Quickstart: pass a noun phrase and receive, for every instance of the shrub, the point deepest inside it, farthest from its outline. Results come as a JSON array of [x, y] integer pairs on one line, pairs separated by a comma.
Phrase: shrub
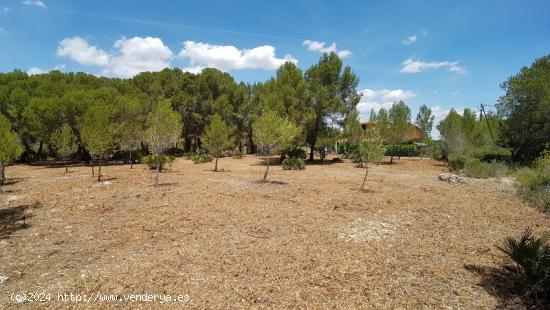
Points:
[[533, 184], [532, 257], [199, 158], [478, 169], [151, 160], [435, 151], [457, 162], [295, 153], [403, 150], [293, 164], [491, 153]]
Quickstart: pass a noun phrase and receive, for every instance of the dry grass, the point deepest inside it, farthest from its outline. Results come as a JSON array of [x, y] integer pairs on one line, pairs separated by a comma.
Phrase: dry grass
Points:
[[311, 239]]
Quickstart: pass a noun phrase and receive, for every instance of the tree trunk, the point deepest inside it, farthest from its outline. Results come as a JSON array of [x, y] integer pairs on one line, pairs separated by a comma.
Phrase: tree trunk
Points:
[[186, 143], [99, 170], [216, 166], [2, 174], [66, 168], [366, 173], [157, 174], [92, 164], [131, 161], [391, 157], [422, 150], [267, 167], [40, 148], [399, 151], [311, 150]]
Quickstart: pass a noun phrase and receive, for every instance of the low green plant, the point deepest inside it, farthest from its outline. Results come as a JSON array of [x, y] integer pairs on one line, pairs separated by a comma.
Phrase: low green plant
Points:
[[151, 160], [483, 170], [533, 184], [532, 258], [293, 164], [457, 162], [200, 158], [435, 151], [237, 155], [295, 152]]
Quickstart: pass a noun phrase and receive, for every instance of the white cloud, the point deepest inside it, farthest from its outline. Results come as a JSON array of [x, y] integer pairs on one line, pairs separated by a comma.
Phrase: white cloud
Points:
[[133, 55], [320, 47], [138, 55], [35, 70], [80, 51], [382, 98], [409, 40], [228, 57], [6, 9], [415, 66], [38, 3], [3, 30]]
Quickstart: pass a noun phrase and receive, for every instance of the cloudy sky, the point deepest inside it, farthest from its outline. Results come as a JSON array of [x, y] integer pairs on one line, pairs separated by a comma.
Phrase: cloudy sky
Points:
[[440, 53]]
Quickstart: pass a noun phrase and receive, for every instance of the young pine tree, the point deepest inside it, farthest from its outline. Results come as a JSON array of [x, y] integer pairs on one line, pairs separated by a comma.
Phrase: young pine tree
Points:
[[371, 150], [271, 133], [217, 138], [163, 130], [10, 149], [97, 132], [425, 121], [64, 142], [130, 135]]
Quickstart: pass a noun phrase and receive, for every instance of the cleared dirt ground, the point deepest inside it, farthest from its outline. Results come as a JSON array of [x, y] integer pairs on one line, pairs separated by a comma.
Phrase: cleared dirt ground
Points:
[[308, 239]]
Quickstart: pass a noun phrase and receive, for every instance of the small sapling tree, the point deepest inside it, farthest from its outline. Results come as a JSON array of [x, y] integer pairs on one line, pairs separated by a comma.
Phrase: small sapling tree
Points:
[[371, 150], [273, 133], [10, 148], [130, 135], [64, 142], [163, 130], [217, 138], [97, 132]]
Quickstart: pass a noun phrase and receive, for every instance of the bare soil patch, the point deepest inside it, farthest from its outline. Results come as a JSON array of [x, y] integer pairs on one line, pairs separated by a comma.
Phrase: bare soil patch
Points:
[[308, 239]]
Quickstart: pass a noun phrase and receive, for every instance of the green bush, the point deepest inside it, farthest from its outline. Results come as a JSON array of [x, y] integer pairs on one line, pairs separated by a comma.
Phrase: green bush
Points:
[[435, 151], [403, 150], [533, 184], [457, 162], [532, 257], [295, 153], [293, 164], [478, 169], [491, 153], [199, 158], [151, 160]]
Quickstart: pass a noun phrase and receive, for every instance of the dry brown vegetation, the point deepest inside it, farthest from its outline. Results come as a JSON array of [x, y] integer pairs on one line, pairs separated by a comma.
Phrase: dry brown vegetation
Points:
[[307, 239]]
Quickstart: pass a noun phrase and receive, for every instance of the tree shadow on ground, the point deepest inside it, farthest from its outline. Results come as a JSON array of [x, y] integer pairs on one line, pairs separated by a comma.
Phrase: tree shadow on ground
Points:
[[274, 182], [276, 161], [74, 164], [506, 285], [14, 219]]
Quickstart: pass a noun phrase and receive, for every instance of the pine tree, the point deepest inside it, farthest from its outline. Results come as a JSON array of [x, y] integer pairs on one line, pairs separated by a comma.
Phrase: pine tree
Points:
[[64, 142], [217, 138], [10, 148]]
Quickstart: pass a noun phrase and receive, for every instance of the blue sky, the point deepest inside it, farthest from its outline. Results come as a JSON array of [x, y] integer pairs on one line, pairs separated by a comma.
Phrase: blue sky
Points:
[[440, 53]]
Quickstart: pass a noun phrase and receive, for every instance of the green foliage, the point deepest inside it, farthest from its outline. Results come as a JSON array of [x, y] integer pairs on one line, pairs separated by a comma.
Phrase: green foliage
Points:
[[10, 148], [457, 162], [406, 150], [295, 152], [533, 184], [293, 164], [237, 155], [97, 130], [64, 141], [273, 133], [525, 108], [163, 130], [218, 138], [370, 150], [200, 158], [483, 170], [532, 258], [333, 93], [489, 153], [353, 131], [435, 151], [152, 160], [425, 121], [399, 124]]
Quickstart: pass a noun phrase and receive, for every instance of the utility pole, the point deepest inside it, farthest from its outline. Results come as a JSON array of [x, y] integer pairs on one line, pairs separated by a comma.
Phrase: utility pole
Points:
[[487, 121]]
